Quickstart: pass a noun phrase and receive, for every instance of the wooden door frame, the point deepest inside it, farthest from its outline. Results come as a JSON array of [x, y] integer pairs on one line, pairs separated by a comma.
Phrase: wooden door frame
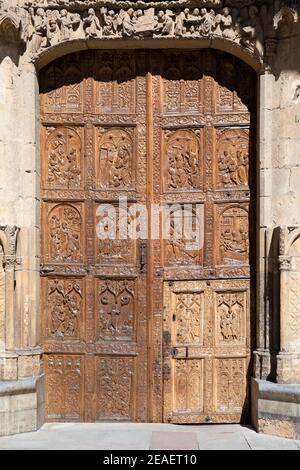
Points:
[[155, 410]]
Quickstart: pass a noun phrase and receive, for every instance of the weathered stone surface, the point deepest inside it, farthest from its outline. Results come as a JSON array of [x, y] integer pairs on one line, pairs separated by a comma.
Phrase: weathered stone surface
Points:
[[277, 409]]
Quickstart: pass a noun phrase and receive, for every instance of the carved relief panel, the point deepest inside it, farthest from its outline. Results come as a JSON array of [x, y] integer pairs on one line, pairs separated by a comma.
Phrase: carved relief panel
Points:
[[62, 87], [206, 350], [231, 318], [64, 387], [63, 303], [63, 242], [63, 163], [116, 159], [115, 83], [114, 243], [184, 232], [117, 310], [233, 235], [115, 388], [183, 160], [188, 384], [232, 158], [231, 383]]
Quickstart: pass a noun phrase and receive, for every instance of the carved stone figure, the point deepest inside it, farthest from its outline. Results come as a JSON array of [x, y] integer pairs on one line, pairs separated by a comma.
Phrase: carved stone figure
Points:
[[39, 29], [92, 26], [207, 22], [165, 24], [246, 26], [126, 18], [68, 23], [53, 32], [110, 22], [224, 24], [252, 32]]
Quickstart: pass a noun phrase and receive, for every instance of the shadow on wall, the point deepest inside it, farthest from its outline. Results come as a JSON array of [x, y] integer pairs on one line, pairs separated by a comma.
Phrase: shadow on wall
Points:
[[13, 51]]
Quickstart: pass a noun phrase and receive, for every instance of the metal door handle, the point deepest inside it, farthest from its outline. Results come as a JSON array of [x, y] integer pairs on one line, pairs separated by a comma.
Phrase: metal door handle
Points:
[[143, 257], [174, 352]]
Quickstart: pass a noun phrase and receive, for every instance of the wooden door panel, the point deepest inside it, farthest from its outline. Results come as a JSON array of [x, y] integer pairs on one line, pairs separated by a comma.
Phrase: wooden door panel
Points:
[[206, 349], [207, 160], [93, 116], [64, 387]]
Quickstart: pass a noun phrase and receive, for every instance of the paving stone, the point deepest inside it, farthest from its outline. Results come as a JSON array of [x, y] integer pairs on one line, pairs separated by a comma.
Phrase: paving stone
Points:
[[174, 441], [128, 436]]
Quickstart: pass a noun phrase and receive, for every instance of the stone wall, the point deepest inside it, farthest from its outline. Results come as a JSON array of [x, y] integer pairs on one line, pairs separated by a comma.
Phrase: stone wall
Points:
[[19, 220]]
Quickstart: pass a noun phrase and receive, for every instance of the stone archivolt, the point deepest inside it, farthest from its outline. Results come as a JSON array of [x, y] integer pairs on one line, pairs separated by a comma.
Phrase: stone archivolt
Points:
[[250, 25]]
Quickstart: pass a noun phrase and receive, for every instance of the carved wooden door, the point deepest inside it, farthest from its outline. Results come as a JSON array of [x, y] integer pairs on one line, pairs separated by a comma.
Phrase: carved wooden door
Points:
[[93, 115], [203, 111], [156, 329]]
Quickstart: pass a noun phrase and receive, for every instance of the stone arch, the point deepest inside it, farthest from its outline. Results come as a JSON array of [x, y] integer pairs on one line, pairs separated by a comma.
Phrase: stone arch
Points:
[[10, 28], [293, 246], [45, 57]]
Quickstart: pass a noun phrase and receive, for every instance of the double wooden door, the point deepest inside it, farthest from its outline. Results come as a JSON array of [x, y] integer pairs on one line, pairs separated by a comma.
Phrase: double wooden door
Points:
[[153, 327]]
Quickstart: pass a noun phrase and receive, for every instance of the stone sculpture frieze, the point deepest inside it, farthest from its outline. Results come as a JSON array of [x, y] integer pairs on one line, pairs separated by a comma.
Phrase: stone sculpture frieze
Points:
[[250, 25]]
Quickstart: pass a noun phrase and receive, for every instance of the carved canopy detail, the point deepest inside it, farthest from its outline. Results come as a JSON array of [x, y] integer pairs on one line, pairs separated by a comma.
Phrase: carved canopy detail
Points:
[[11, 24]]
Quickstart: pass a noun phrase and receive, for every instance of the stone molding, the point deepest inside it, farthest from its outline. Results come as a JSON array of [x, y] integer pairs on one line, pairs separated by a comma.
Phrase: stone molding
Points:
[[288, 360], [8, 241], [288, 235], [252, 26]]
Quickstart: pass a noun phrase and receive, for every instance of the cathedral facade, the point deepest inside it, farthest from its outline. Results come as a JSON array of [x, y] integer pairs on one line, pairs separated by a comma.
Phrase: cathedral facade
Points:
[[141, 107]]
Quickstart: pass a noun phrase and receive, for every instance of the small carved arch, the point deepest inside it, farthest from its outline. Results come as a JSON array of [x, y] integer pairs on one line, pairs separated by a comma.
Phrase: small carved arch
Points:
[[105, 74], [10, 28], [294, 252], [3, 243], [293, 242]]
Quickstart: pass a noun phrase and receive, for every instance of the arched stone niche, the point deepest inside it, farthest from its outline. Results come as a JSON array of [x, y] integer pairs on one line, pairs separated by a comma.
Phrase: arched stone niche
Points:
[[289, 263]]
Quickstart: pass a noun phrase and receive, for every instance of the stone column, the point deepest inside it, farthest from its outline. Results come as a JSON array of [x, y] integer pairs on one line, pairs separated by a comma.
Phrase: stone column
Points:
[[265, 267], [21, 378], [288, 369]]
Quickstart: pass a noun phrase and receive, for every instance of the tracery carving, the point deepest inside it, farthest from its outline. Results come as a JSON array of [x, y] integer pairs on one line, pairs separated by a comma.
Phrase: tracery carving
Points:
[[188, 386], [230, 384], [64, 387], [117, 310], [11, 23], [114, 383], [45, 24]]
